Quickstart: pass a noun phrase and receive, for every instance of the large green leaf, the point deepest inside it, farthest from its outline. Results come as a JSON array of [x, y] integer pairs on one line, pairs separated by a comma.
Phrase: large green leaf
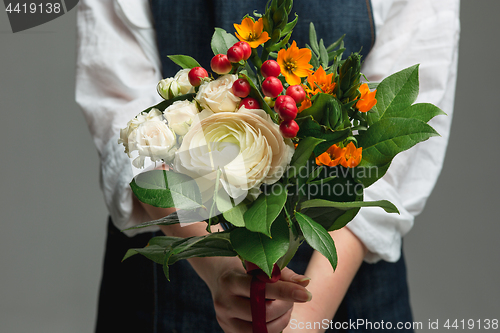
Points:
[[396, 92], [260, 249], [166, 189], [318, 238], [390, 136], [222, 41], [384, 204], [420, 111], [184, 61], [263, 212]]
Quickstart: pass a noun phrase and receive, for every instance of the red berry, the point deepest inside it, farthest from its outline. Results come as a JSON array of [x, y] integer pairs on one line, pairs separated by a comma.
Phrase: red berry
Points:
[[235, 54], [289, 128], [196, 74], [220, 64], [250, 103], [272, 87], [270, 68], [297, 93], [287, 110], [281, 100], [241, 88], [247, 50]]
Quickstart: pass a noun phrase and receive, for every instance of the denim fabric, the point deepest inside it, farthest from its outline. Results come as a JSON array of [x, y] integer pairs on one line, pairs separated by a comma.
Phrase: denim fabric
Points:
[[135, 296], [186, 27]]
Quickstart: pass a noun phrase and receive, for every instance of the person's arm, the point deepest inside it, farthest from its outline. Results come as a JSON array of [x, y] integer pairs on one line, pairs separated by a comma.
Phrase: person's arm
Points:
[[327, 286]]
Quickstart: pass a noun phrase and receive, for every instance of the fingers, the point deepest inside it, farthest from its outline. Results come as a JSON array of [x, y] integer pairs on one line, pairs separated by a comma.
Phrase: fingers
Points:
[[287, 291], [288, 275]]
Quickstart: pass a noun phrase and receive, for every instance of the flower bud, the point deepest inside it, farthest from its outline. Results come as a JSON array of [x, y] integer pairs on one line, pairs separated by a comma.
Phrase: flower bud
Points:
[[168, 88]]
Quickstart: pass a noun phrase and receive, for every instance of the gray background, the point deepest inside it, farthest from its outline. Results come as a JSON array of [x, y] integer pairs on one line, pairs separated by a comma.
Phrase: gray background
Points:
[[53, 217]]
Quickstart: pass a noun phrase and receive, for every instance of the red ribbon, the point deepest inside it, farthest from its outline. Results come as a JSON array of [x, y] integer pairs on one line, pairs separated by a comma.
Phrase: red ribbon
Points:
[[258, 294]]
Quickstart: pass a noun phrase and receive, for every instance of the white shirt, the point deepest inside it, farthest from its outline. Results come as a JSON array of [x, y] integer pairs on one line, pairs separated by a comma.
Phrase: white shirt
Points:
[[118, 68]]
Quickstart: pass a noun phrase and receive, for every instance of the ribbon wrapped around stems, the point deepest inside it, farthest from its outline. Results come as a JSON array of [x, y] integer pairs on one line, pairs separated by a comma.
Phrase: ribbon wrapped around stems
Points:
[[258, 294]]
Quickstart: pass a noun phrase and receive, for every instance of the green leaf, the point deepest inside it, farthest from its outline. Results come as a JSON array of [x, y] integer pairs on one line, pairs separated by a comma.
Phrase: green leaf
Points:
[[235, 215], [384, 204], [179, 216], [263, 212], [335, 44], [302, 154], [323, 54], [384, 140], [313, 39], [390, 136], [420, 111], [260, 249], [289, 26], [166, 189], [184, 61], [318, 238], [222, 41], [154, 253], [216, 244], [396, 92], [311, 128]]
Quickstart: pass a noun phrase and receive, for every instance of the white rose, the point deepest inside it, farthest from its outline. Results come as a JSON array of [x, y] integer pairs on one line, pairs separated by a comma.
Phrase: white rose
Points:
[[180, 115], [151, 138], [153, 114], [217, 95], [168, 88], [246, 146], [182, 79]]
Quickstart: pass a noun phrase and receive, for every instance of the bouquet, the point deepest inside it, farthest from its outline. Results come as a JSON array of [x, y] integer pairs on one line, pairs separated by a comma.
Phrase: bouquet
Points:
[[275, 145]]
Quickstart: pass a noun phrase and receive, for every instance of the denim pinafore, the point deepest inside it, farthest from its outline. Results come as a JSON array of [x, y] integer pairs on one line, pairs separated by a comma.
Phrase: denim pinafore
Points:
[[135, 296]]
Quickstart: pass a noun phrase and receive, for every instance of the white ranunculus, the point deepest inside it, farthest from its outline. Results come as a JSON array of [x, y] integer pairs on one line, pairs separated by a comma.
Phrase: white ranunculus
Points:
[[149, 135], [180, 115], [168, 88], [246, 146], [182, 79], [217, 95]]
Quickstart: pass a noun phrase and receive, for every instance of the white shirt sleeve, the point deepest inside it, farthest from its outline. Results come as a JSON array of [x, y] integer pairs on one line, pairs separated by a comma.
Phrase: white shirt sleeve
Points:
[[118, 69], [407, 33]]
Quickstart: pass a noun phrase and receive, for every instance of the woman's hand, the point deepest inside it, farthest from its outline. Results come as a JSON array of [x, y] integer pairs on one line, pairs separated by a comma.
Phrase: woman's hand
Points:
[[230, 287]]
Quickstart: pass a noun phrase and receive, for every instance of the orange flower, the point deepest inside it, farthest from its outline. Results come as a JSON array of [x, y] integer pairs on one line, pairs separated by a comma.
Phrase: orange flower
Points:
[[304, 105], [367, 99], [320, 82], [331, 157], [251, 32], [351, 156], [294, 63]]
